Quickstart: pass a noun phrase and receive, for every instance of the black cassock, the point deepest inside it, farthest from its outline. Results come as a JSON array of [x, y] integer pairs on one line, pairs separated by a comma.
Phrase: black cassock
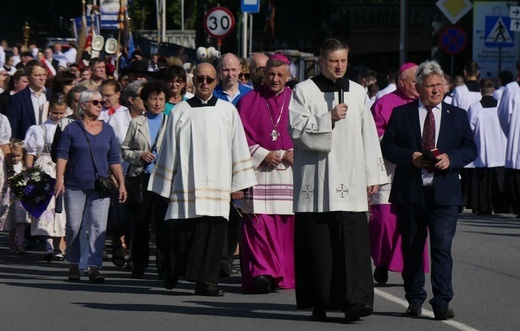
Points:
[[332, 260]]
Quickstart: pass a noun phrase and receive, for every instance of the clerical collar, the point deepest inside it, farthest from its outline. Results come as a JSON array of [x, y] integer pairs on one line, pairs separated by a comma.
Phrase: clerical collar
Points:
[[327, 85], [488, 101], [198, 102], [472, 86]]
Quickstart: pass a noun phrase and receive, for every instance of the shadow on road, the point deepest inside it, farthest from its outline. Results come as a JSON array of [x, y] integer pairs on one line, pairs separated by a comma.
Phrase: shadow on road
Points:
[[503, 225]]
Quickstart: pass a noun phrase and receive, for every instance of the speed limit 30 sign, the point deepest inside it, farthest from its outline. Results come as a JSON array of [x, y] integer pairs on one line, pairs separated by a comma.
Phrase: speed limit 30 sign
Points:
[[219, 22]]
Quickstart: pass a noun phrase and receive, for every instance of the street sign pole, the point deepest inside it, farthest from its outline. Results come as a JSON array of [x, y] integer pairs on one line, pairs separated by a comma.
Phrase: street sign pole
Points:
[[244, 35], [248, 7]]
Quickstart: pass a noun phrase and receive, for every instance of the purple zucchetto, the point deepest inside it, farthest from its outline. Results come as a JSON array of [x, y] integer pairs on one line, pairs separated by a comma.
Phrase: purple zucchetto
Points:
[[280, 57], [406, 66]]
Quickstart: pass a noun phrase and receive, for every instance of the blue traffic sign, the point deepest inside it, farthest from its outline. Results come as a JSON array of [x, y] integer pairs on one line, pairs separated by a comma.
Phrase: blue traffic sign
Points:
[[250, 6], [497, 32], [453, 39]]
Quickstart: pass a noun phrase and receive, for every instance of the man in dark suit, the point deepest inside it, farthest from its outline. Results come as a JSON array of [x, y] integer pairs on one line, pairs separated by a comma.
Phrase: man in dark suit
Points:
[[426, 185], [25, 107]]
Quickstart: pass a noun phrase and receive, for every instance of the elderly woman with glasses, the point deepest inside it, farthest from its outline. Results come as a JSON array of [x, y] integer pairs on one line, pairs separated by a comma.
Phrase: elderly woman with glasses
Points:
[[139, 149], [88, 148]]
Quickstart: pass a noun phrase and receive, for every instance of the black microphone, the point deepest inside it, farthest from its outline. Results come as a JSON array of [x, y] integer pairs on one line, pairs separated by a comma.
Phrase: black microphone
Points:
[[340, 83]]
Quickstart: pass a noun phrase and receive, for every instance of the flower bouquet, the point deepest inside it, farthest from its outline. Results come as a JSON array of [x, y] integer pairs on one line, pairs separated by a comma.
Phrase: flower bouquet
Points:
[[34, 189]]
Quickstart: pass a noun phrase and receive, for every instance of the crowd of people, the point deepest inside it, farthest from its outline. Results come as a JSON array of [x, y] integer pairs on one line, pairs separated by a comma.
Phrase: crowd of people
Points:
[[306, 182]]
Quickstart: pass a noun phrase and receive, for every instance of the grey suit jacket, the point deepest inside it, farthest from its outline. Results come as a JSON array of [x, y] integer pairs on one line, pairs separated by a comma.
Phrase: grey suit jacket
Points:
[[137, 141]]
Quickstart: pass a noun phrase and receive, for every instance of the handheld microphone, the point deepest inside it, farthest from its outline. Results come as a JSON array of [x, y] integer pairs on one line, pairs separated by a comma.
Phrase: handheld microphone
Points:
[[340, 84]]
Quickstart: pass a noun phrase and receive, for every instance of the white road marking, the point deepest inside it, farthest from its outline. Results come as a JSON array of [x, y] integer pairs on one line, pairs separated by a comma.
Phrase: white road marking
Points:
[[425, 312]]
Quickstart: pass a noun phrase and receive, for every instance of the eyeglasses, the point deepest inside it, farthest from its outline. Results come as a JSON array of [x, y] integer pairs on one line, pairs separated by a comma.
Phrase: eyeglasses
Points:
[[201, 79], [177, 81], [94, 102]]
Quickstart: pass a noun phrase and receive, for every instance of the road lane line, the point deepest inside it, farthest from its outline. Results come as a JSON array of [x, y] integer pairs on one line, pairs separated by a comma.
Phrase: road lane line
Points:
[[425, 312]]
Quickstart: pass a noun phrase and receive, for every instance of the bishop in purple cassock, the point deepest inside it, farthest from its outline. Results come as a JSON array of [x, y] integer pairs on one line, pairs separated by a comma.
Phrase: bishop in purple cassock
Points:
[[267, 224]]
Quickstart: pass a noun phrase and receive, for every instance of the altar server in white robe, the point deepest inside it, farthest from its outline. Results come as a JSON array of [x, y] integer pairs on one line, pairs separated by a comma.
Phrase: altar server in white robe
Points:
[[509, 116], [463, 97], [337, 162], [491, 143], [204, 161]]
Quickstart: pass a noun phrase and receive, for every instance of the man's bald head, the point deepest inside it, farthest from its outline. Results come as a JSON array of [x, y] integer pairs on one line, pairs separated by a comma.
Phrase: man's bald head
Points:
[[228, 70], [258, 60], [204, 72]]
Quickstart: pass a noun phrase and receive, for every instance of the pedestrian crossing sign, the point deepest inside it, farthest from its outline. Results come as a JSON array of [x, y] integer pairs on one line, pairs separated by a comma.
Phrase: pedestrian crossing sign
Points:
[[497, 33]]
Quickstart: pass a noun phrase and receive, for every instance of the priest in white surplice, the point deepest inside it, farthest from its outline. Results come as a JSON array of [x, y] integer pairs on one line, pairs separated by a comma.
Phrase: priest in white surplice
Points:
[[337, 161], [509, 116], [204, 158]]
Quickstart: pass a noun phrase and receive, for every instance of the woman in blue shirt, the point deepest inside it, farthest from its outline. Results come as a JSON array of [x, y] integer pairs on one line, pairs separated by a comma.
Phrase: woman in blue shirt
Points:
[[75, 177]]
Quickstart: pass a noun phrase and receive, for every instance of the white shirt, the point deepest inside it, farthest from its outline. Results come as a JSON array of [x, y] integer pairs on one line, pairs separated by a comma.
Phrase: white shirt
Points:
[[427, 177], [38, 102]]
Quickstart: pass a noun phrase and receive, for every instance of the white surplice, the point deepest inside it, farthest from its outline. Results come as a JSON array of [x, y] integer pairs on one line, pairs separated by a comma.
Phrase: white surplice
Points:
[[203, 158], [333, 164], [509, 116], [489, 137]]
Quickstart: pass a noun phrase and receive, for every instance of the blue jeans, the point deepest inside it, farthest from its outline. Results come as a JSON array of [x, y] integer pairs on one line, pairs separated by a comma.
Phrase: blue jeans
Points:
[[86, 208]]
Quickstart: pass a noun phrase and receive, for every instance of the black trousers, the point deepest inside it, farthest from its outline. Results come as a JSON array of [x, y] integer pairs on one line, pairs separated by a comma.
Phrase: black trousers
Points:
[[151, 210]]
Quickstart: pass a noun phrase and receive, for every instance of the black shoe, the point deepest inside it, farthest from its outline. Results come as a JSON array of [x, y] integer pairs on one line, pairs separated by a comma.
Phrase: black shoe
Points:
[[263, 284], [169, 281], [356, 311], [49, 255], [137, 273], [443, 313], [95, 277], [208, 289], [74, 274], [318, 315], [118, 256], [414, 310], [381, 275]]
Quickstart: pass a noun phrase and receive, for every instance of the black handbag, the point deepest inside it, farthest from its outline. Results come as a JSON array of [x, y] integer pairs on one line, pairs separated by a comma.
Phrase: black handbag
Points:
[[134, 187], [104, 185]]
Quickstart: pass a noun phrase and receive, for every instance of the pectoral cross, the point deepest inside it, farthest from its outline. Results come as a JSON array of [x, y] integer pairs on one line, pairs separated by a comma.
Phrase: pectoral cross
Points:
[[381, 164], [307, 191], [274, 135], [206, 181], [341, 190]]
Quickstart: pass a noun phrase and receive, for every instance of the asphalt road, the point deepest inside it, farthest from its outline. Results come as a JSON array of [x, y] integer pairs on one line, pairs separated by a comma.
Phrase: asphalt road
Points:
[[34, 294]]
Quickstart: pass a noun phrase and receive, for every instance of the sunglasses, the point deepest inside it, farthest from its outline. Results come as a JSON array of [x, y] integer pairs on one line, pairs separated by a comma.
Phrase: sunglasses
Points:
[[201, 79], [95, 102], [244, 76]]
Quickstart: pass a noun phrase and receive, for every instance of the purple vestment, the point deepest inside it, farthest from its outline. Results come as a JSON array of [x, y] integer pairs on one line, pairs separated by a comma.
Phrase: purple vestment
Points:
[[267, 240]]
